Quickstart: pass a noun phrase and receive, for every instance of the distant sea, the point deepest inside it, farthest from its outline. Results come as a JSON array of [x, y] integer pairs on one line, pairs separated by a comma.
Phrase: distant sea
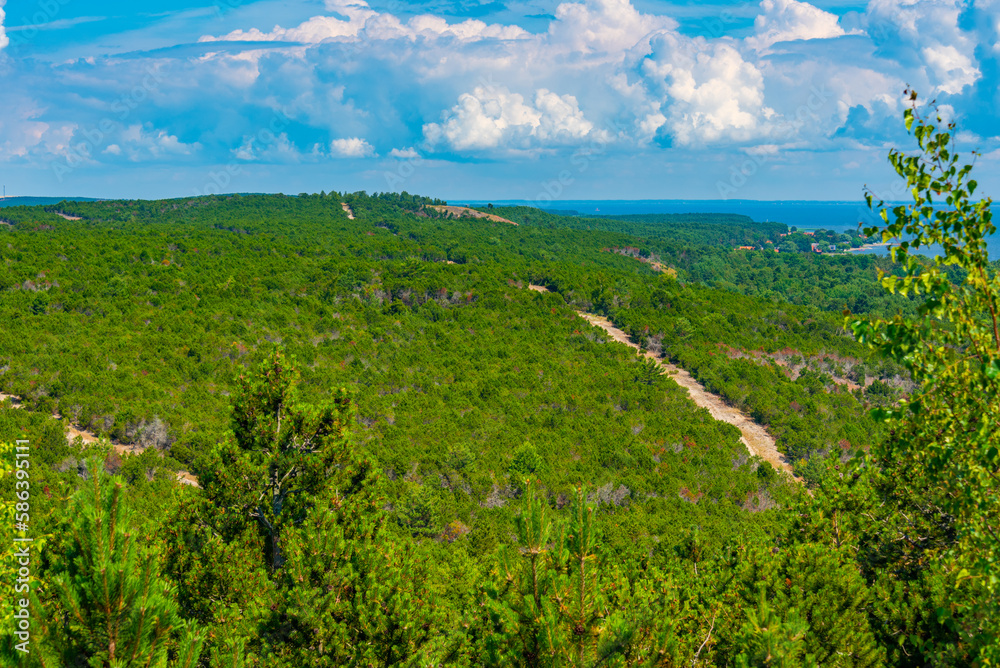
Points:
[[805, 215], [41, 201]]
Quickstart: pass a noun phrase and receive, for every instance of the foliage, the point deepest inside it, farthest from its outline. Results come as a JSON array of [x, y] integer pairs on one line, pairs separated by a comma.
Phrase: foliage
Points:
[[281, 455], [771, 640], [349, 595], [945, 437], [109, 605]]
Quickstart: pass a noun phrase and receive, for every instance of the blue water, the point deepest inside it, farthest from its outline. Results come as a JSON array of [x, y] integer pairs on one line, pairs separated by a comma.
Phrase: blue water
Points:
[[805, 215], [40, 201]]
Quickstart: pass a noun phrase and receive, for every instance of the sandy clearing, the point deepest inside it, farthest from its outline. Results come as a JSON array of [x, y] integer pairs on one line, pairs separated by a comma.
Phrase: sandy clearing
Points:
[[465, 212], [754, 436], [792, 370], [538, 288], [347, 210], [68, 217], [868, 247], [72, 432]]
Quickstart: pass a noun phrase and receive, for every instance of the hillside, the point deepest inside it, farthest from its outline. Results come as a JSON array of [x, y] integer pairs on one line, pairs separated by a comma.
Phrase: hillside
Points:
[[459, 402]]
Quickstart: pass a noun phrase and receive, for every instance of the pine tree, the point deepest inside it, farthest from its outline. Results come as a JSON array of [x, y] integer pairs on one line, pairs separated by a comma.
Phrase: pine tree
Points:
[[520, 624], [281, 455], [349, 593], [822, 585], [108, 605], [550, 606], [768, 640]]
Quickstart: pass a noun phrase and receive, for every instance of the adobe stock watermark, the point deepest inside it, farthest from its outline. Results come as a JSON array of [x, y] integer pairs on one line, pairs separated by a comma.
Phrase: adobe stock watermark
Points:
[[222, 7], [407, 164], [409, 161], [742, 170], [267, 136], [716, 27], [97, 136], [23, 34], [22, 543], [580, 161]]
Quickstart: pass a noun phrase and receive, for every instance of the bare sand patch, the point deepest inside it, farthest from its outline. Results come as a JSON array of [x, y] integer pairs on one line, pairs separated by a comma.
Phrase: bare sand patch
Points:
[[466, 212], [73, 432]]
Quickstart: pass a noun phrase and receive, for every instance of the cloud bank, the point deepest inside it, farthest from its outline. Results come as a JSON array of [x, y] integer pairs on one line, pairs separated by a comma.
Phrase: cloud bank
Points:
[[4, 40], [357, 84]]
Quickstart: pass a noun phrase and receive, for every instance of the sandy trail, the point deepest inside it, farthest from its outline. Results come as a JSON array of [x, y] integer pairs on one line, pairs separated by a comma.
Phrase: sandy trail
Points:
[[67, 216], [347, 210], [72, 432], [466, 212], [754, 436]]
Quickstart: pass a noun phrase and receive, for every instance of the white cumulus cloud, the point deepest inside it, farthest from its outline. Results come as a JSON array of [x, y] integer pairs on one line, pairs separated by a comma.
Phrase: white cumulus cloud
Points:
[[928, 33], [368, 26], [787, 20], [408, 153], [354, 147], [266, 147], [709, 92], [491, 118], [139, 143], [316, 29], [953, 69], [4, 40], [603, 26]]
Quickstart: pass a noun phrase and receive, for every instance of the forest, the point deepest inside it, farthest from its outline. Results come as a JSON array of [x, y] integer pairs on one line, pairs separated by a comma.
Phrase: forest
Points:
[[405, 456]]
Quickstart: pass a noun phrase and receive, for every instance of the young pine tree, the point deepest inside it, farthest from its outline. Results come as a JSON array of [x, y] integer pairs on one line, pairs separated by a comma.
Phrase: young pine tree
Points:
[[107, 605], [768, 640], [550, 605], [349, 593], [281, 455]]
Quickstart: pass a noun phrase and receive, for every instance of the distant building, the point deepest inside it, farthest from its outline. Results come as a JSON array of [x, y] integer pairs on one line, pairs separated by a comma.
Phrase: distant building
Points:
[[815, 248], [833, 247], [745, 248]]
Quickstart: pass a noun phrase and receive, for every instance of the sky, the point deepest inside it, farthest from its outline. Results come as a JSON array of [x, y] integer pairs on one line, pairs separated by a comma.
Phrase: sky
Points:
[[535, 100]]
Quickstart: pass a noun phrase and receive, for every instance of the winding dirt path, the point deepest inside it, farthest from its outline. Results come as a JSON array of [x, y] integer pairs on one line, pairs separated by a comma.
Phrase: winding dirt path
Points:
[[347, 210], [72, 432], [753, 435]]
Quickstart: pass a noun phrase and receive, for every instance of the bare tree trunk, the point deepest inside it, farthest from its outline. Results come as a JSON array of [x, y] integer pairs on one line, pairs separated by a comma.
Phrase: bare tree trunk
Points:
[[276, 502]]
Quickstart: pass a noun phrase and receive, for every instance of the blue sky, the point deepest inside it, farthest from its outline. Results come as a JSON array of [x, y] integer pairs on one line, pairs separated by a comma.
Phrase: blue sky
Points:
[[477, 99]]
